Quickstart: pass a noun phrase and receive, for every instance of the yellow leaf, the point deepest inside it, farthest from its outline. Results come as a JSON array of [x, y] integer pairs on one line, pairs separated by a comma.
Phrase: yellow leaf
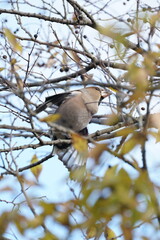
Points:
[[109, 234], [108, 31], [154, 18], [125, 131], [1, 69], [136, 139], [158, 137], [13, 61], [35, 222], [51, 118], [37, 169], [91, 232], [112, 119], [149, 63], [96, 152], [138, 77], [127, 230], [62, 218], [113, 89], [80, 143], [48, 207], [12, 40], [128, 146], [94, 231], [78, 174], [48, 235]]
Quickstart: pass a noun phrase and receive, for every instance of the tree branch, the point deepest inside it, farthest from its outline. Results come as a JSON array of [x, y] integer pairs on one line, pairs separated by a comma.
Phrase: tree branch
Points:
[[46, 18]]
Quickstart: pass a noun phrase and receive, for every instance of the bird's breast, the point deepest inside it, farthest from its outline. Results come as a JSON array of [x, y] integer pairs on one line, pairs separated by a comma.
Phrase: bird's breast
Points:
[[74, 117]]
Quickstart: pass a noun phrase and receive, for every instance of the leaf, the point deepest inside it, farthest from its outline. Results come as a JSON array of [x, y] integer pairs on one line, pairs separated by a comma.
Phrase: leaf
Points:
[[154, 121], [108, 31], [13, 61], [64, 58], [1, 69], [7, 188], [35, 222], [154, 18], [76, 58], [125, 131], [48, 208], [156, 135], [51, 118], [78, 174], [127, 230], [48, 235], [5, 219], [91, 232], [109, 234], [37, 169], [149, 63], [138, 77], [128, 146], [52, 60], [12, 40], [62, 218], [96, 152], [80, 144], [137, 138], [112, 119], [95, 230]]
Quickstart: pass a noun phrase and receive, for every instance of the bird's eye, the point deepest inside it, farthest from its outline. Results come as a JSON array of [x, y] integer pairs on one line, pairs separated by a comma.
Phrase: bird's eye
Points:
[[98, 89]]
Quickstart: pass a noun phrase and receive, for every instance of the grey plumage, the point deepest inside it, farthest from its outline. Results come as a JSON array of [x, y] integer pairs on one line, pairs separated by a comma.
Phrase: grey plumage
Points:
[[76, 109]]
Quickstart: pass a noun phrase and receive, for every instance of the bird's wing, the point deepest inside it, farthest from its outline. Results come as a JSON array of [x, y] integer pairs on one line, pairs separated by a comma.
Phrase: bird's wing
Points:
[[56, 99], [52, 100]]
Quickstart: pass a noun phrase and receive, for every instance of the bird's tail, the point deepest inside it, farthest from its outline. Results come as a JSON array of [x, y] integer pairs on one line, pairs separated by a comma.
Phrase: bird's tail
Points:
[[70, 158]]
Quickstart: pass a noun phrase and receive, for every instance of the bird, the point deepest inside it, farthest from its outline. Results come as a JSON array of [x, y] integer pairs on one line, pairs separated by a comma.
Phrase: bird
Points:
[[76, 109]]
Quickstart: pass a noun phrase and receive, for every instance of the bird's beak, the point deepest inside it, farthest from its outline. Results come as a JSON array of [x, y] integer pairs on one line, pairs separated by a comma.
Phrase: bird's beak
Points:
[[105, 93]]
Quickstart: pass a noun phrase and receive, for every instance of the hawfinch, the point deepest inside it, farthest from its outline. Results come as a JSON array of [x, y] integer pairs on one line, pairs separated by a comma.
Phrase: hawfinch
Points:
[[76, 109]]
